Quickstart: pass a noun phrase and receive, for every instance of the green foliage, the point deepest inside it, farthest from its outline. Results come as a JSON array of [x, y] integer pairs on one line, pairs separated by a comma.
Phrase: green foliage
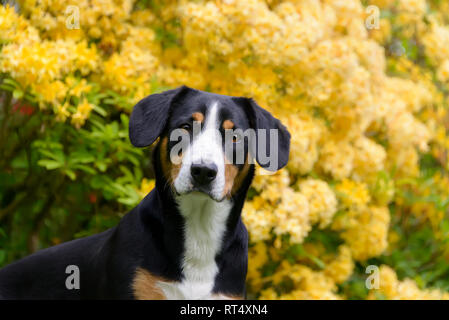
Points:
[[58, 182]]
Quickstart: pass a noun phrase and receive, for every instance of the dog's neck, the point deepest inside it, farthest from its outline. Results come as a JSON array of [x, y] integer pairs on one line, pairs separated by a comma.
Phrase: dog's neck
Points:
[[205, 224]]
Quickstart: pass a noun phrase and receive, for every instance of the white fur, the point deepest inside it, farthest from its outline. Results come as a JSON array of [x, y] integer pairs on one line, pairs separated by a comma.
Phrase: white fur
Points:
[[207, 148], [205, 225]]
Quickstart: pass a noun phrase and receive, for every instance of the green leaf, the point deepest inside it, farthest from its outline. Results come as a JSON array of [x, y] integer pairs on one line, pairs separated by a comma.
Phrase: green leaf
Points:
[[70, 173], [84, 168], [58, 156], [100, 111], [17, 94], [102, 166], [50, 164], [81, 156], [11, 82]]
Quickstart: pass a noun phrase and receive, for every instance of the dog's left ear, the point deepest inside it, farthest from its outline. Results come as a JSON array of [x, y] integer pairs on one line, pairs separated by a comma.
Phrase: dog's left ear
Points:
[[150, 115], [262, 119]]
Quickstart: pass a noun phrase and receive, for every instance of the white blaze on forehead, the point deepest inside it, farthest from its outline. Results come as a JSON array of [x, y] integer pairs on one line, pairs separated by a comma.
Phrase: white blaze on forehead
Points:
[[205, 143], [206, 148]]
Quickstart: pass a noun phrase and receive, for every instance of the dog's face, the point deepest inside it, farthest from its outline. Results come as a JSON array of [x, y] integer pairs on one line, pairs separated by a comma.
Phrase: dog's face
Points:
[[206, 162], [207, 141]]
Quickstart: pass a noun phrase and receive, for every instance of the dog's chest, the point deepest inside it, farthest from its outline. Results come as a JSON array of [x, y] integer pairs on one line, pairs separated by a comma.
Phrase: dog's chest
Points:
[[205, 225]]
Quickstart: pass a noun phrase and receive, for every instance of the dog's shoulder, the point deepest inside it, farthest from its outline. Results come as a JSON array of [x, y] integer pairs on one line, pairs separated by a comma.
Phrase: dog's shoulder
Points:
[[43, 275]]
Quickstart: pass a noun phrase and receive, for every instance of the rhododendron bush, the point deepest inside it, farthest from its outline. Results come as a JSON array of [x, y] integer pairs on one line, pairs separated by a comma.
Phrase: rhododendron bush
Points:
[[361, 85]]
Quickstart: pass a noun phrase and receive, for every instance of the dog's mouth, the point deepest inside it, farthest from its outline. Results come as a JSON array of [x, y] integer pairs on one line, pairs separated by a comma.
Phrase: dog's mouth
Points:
[[201, 191], [205, 191]]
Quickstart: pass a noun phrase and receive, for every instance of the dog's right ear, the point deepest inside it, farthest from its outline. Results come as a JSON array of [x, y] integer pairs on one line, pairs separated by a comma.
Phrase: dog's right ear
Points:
[[149, 116]]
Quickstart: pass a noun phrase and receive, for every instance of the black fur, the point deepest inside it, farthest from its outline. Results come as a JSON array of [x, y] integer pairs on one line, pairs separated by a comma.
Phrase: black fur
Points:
[[262, 119], [151, 235]]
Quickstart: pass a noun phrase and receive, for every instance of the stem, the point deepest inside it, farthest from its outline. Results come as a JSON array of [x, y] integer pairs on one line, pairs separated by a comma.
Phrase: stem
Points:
[[12, 206], [6, 102], [33, 239]]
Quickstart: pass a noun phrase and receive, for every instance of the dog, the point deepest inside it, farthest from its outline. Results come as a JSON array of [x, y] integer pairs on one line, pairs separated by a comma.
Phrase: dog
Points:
[[186, 238]]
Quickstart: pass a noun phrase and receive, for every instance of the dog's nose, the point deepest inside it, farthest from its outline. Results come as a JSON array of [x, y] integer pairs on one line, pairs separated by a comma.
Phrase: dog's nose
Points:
[[203, 173]]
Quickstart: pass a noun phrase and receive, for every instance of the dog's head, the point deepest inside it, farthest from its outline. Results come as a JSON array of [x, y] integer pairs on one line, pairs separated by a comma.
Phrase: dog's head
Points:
[[208, 141]]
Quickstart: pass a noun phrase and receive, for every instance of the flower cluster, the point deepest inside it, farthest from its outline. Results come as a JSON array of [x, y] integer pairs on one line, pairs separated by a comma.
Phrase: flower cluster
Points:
[[393, 289]]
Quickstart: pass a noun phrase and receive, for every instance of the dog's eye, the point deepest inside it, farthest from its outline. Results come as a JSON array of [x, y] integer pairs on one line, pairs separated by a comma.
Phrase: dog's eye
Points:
[[185, 126], [235, 138]]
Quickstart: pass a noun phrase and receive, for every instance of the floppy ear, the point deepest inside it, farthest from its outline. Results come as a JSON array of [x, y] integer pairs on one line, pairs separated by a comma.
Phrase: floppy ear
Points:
[[262, 119], [149, 116]]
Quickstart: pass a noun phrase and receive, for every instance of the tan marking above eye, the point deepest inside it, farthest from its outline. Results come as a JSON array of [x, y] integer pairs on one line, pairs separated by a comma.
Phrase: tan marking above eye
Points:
[[198, 116], [228, 124]]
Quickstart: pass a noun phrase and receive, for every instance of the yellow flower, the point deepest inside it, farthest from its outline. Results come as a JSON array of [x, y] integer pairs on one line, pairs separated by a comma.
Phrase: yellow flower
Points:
[[61, 112], [352, 194], [436, 42], [50, 92], [306, 133], [366, 232], [257, 257], [292, 216], [258, 221], [322, 201], [341, 268], [85, 108], [369, 158], [79, 88], [15, 28], [146, 186], [337, 158], [443, 71], [407, 289], [78, 119]]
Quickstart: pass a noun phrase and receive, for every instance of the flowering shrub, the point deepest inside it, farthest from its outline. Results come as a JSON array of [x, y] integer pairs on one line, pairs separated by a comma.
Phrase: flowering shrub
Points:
[[364, 96]]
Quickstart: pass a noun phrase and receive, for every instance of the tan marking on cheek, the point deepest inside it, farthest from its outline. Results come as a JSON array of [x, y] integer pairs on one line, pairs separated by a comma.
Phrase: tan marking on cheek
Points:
[[198, 116], [231, 172], [240, 178], [176, 167], [163, 158], [233, 177], [228, 124], [169, 168], [145, 286]]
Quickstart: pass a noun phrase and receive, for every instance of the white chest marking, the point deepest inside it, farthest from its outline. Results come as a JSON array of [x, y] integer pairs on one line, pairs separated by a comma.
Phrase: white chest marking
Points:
[[205, 225]]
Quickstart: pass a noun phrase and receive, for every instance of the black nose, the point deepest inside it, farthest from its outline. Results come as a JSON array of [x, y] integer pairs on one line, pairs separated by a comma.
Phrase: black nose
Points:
[[203, 173]]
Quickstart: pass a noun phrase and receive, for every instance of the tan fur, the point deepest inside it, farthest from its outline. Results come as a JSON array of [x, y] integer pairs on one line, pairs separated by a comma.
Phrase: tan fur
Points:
[[228, 124], [145, 286], [231, 172], [240, 178], [198, 116], [169, 169], [233, 177]]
